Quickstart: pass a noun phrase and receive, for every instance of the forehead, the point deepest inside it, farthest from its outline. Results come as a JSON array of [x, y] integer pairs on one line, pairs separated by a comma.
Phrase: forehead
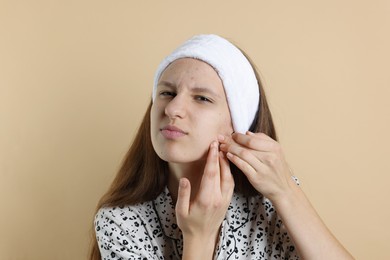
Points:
[[191, 69]]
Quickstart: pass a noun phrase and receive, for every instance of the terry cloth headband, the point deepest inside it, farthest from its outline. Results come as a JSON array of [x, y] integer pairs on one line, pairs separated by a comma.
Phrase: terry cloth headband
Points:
[[235, 71]]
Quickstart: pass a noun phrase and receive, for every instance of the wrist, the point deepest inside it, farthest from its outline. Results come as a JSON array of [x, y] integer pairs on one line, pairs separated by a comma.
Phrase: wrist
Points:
[[288, 197], [197, 246]]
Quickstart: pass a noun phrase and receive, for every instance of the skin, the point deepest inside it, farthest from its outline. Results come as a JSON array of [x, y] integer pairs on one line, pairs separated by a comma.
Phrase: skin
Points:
[[262, 161], [200, 178], [191, 96]]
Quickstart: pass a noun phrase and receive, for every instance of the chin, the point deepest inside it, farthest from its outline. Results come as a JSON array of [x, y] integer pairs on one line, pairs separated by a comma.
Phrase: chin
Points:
[[180, 158], [177, 152]]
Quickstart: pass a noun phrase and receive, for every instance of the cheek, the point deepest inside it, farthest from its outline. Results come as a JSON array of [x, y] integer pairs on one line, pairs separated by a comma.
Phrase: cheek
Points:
[[218, 124], [152, 118], [154, 124], [225, 124], [155, 113]]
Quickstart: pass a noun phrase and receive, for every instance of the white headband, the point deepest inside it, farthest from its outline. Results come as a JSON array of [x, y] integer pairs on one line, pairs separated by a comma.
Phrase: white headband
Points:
[[235, 71]]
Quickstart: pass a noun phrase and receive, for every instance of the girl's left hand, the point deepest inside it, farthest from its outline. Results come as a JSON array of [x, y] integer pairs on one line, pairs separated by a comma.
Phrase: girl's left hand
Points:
[[261, 159]]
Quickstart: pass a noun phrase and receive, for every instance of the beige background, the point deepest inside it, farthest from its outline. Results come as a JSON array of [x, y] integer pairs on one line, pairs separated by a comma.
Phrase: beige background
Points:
[[75, 79]]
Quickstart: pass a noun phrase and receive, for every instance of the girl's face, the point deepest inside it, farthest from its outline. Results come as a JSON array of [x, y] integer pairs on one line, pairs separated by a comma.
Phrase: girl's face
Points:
[[189, 111]]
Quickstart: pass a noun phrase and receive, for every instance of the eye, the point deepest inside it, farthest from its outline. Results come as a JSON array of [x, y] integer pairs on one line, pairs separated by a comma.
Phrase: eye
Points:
[[203, 99], [167, 94]]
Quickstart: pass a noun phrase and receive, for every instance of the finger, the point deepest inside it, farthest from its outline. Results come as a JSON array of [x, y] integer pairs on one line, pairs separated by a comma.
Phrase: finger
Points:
[[243, 153], [260, 135], [247, 141], [254, 142], [211, 177], [226, 142], [227, 181], [183, 197], [257, 159], [250, 161], [245, 167], [222, 138]]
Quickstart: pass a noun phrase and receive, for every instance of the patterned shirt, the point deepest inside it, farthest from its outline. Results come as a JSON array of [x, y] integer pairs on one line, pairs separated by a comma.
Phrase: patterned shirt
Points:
[[251, 230]]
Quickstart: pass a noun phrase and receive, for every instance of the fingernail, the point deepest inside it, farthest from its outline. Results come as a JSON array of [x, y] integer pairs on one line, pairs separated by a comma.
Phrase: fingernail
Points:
[[221, 138], [249, 133], [229, 155]]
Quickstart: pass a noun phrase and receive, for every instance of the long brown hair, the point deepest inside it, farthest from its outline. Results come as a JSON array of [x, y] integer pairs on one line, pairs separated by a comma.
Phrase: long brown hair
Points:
[[143, 175]]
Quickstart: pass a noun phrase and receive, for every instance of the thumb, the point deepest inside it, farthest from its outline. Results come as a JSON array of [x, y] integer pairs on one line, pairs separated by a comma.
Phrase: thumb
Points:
[[183, 197]]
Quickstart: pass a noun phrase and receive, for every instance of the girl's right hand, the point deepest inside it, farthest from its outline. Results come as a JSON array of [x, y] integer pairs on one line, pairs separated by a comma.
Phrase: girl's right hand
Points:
[[201, 218]]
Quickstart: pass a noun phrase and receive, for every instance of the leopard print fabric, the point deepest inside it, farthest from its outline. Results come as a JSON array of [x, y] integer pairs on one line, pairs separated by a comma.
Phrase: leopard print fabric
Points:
[[251, 230]]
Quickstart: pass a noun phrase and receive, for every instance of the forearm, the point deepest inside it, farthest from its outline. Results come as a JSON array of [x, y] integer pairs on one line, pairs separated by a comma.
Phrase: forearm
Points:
[[310, 235]]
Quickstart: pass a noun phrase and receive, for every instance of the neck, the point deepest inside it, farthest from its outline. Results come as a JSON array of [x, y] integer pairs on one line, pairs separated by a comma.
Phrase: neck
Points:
[[192, 171]]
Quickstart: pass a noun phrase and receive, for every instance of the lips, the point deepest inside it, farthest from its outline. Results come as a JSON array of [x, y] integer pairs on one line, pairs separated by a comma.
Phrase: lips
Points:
[[172, 132]]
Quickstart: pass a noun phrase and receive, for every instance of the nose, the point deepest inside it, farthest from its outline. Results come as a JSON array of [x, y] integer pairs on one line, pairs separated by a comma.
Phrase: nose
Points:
[[176, 108]]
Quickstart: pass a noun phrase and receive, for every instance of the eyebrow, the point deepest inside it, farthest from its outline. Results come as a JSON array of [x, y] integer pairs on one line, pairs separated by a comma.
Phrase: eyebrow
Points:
[[166, 83], [194, 89]]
